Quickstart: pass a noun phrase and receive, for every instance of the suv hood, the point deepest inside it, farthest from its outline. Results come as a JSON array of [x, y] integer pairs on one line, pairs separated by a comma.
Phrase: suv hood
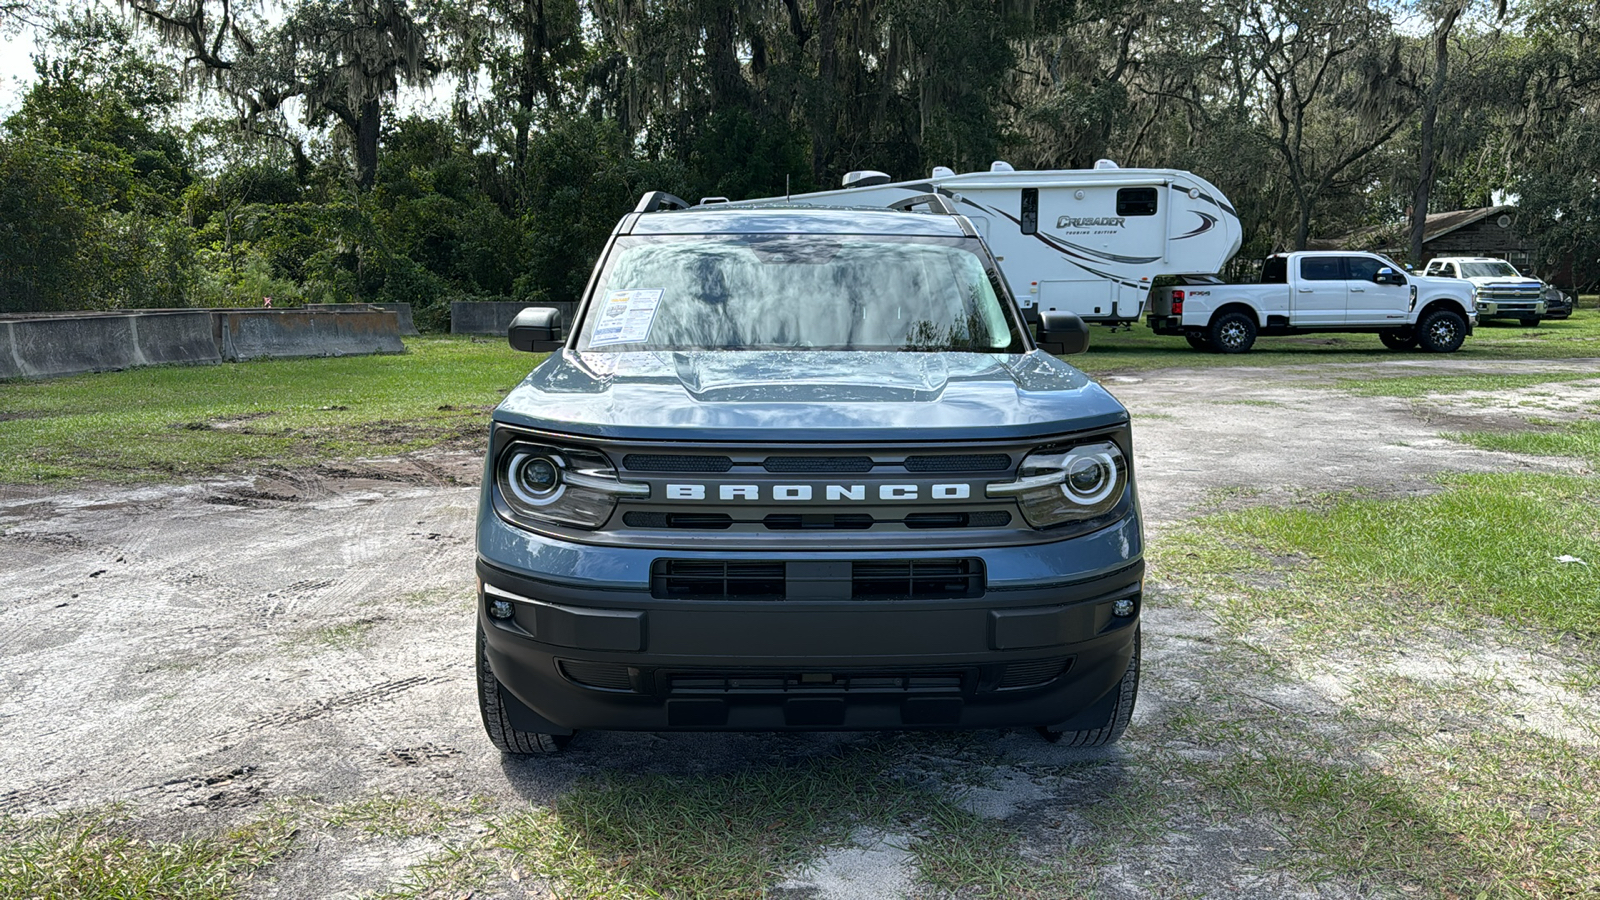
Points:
[[792, 395]]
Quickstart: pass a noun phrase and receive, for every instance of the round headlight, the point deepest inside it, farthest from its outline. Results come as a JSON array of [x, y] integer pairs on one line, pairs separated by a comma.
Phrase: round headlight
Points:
[[535, 479], [1090, 477]]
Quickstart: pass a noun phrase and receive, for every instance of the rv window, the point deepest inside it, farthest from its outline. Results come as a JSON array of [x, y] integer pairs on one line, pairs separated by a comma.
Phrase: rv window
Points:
[[1030, 210], [1138, 201], [1321, 268]]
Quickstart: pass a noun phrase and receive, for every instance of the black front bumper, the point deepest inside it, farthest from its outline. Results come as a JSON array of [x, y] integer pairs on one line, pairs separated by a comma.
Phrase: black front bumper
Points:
[[576, 658]]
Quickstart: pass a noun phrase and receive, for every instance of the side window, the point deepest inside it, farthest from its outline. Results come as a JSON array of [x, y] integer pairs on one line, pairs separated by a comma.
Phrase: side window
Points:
[[1275, 270], [1321, 268], [1362, 268], [1030, 210], [1137, 201], [1451, 270], [1434, 268]]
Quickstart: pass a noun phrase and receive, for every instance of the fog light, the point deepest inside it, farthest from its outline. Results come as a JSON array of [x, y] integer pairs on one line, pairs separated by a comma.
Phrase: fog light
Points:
[[1122, 607], [500, 609]]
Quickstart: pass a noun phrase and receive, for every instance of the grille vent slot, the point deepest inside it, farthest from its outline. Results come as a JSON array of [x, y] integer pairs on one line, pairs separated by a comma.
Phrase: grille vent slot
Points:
[[663, 462], [1033, 672], [985, 519], [822, 521], [706, 521], [919, 579], [818, 464], [970, 462], [793, 683], [686, 579], [607, 676]]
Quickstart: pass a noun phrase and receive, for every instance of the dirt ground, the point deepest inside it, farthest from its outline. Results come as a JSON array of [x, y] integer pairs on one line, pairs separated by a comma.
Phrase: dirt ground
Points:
[[197, 651]]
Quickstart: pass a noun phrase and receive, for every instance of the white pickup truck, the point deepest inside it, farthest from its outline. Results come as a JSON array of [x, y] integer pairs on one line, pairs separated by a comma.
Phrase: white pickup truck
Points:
[[1307, 292]]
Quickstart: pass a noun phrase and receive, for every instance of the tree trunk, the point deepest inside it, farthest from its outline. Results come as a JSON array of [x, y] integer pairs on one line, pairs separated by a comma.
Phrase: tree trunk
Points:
[[822, 115], [1426, 151], [366, 141]]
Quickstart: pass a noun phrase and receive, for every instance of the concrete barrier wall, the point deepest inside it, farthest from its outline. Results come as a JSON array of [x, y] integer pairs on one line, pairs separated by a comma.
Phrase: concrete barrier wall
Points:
[[255, 333], [494, 316], [402, 311], [67, 345], [46, 345]]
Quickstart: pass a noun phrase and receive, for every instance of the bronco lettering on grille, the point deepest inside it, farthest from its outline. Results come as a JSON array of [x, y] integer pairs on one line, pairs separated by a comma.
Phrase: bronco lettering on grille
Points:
[[836, 493]]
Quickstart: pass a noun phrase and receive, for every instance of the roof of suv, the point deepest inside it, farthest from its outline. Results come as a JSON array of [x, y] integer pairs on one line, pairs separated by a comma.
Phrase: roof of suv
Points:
[[796, 219]]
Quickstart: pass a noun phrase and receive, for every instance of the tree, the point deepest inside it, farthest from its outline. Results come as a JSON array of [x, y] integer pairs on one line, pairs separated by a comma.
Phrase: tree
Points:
[[344, 57], [1332, 91]]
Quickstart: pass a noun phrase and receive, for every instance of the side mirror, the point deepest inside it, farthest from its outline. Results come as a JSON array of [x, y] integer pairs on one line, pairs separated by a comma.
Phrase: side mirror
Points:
[[1062, 333], [1387, 275], [536, 329]]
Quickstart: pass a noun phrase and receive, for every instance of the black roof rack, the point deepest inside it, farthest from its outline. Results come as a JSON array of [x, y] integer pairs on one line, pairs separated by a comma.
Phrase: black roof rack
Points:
[[938, 203], [656, 201]]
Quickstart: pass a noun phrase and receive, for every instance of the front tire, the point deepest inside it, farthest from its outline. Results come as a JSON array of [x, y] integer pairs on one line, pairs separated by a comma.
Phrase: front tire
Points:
[[1398, 338], [1233, 332], [1442, 331], [1127, 694], [505, 737]]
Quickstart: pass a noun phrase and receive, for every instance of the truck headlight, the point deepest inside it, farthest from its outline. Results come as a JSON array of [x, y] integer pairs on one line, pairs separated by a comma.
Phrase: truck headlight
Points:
[[1071, 484], [560, 485]]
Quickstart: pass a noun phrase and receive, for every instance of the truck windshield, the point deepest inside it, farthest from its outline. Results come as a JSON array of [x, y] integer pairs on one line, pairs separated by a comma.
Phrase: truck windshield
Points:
[[798, 292], [1488, 270]]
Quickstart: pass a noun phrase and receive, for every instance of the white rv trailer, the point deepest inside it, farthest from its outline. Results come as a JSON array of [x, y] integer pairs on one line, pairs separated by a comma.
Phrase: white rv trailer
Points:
[[1085, 241]]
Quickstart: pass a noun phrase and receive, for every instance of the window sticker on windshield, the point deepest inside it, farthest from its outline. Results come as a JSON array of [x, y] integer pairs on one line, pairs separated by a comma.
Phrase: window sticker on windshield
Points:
[[625, 317]]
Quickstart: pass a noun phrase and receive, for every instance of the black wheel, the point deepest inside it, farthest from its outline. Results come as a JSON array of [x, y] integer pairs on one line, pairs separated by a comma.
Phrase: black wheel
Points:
[[1442, 331], [1398, 338], [501, 733], [1127, 693], [1198, 340], [1533, 322], [1232, 332]]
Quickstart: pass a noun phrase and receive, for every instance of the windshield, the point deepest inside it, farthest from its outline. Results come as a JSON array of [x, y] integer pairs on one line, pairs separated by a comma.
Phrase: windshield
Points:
[[1488, 270], [798, 292]]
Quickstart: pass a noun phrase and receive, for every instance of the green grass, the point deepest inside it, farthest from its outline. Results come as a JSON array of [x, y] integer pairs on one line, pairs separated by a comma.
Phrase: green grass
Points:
[[1140, 349], [1574, 439], [1413, 386], [1486, 545], [95, 857], [178, 422], [734, 835], [1430, 783]]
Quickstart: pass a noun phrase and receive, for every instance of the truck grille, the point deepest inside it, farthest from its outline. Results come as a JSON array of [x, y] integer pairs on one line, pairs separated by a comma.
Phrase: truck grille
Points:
[[919, 579]]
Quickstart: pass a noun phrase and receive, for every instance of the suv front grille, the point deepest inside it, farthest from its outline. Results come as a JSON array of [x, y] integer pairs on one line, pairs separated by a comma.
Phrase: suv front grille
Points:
[[917, 579]]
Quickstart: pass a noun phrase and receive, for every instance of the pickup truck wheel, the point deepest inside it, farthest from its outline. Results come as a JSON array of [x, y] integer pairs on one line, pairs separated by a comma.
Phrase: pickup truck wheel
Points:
[[1198, 340], [1127, 694], [1398, 338], [501, 733], [1533, 322], [1232, 332], [1442, 331]]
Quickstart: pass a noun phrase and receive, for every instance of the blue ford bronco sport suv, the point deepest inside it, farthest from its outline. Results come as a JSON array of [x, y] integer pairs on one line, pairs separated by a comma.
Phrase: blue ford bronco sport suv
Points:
[[805, 468]]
